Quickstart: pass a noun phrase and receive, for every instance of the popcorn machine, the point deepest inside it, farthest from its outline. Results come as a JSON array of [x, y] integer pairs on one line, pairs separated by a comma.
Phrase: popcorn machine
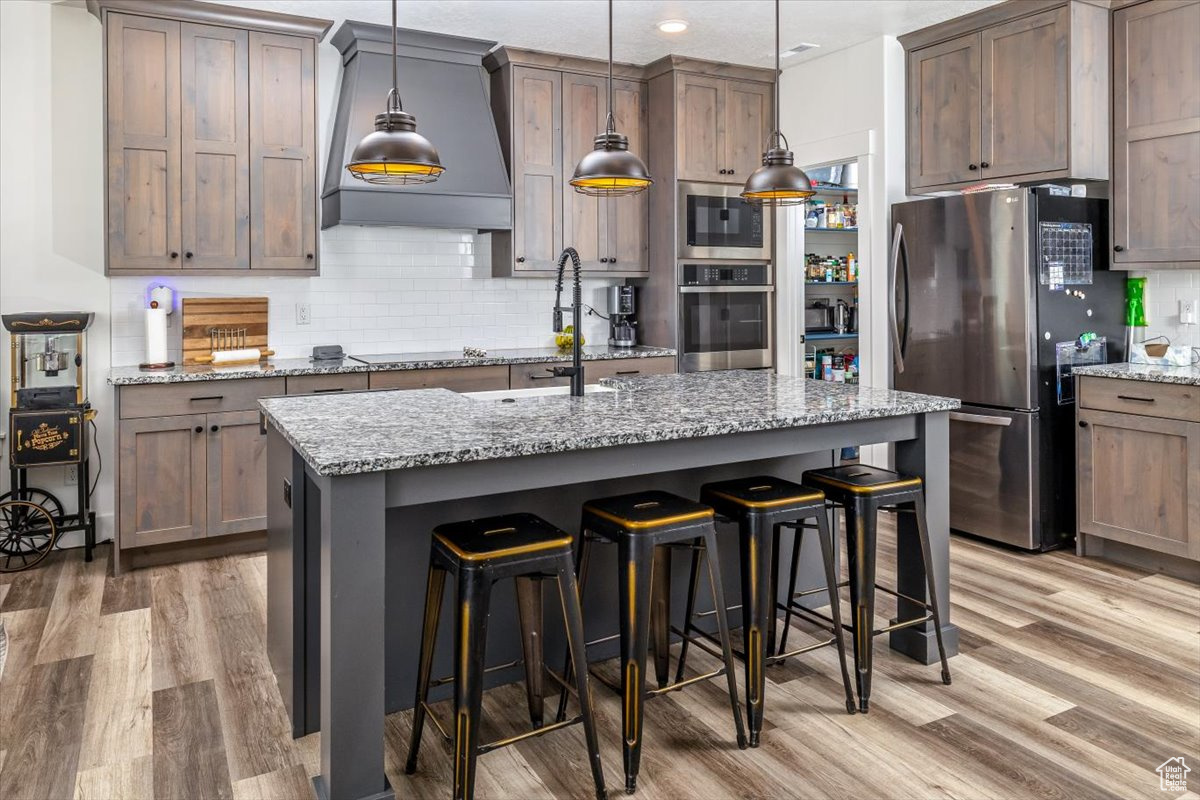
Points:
[[48, 425]]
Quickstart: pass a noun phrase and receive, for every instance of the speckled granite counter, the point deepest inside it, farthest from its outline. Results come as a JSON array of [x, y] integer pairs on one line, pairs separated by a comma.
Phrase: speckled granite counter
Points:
[[359, 433], [280, 367], [1189, 376]]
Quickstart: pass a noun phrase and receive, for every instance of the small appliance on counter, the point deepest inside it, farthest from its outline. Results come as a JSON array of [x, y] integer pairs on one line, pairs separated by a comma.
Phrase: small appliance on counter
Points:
[[47, 426], [622, 307]]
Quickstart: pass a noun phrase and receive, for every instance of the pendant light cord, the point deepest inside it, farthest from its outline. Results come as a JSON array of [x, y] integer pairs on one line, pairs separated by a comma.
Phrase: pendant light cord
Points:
[[777, 134], [393, 98], [610, 125]]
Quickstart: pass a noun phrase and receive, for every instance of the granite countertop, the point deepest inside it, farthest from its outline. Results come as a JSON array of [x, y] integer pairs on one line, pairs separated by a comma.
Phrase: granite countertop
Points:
[[1189, 376], [129, 376], [370, 432]]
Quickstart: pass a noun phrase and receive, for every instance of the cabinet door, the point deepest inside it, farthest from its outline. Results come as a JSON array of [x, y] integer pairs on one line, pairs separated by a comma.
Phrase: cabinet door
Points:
[[1024, 88], [748, 118], [537, 168], [237, 473], [1139, 481], [585, 224], [216, 147], [283, 210], [699, 128], [161, 481], [1156, 134], [627, 218], [143, 143], [944, 112]]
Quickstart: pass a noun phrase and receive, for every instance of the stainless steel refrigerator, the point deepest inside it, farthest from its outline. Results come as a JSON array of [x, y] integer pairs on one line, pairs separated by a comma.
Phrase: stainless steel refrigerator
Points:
[[991, 292]]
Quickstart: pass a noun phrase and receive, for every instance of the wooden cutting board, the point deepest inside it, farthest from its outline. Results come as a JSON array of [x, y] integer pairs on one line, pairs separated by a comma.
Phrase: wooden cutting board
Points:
[[202, 314]]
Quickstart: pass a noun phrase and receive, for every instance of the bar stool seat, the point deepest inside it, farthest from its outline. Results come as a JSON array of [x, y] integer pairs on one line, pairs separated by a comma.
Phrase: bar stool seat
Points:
[[864, 491], [644, 526], [478, 553], [758, 493]]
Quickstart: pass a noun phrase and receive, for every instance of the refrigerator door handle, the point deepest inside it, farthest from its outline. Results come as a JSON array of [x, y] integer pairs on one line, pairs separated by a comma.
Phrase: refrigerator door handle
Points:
[[899, 343], [981, 419]]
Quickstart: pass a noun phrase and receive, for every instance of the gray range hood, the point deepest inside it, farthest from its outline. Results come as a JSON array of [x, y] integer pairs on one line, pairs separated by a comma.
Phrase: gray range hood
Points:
[[442, 83]]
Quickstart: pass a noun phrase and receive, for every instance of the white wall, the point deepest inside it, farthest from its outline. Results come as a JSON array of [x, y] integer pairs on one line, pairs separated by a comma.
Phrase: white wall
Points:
[[1164, 289]]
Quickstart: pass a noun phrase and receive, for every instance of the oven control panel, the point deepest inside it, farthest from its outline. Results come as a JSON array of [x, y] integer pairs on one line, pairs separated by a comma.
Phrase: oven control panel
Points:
[[724, 274]]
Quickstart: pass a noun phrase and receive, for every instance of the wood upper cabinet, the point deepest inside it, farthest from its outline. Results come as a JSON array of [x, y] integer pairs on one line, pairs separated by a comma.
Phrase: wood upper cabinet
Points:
[[585, 219], [143, 132], [216, 147], [162, 479], [283, 152], [1156, 135], [536, 165], [722, 127], [627, 219], [1022, 98], [211, 141], [237, 473]]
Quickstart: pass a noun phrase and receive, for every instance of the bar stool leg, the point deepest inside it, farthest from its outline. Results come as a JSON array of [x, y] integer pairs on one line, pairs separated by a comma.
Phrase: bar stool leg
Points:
[[660, 614], [529, 612], [797, 546], [568, 592], [860, 553], [931, 583], [434, 584], [689, 612], [835, 603], [635, 563], [757, 609], [772, 618], [582, 552], [718, 593], [474, 593]]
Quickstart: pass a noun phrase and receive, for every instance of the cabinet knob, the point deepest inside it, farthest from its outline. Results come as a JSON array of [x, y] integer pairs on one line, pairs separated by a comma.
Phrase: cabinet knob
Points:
[[215, 428], [1118, 248], [722, 171], [520, 259], [612, 259], [308, 256], [603, 260], [729, 171], [984, 164], [199, 429], [188, 254], [972, 167], [1082, 424], [174, 254]]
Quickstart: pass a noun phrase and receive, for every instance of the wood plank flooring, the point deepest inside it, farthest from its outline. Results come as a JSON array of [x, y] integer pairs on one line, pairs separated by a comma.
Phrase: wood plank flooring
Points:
[[1075, 679]]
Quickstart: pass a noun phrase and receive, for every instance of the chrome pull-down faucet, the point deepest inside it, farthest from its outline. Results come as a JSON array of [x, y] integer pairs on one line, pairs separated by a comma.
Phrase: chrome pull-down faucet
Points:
[[575, 371]]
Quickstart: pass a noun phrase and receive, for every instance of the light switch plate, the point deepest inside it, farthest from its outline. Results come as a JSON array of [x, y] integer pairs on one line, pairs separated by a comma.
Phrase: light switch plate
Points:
[[1187, 312]]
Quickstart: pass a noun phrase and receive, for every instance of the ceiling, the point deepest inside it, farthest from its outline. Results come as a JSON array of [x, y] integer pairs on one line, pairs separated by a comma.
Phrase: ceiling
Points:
[[739, 31]]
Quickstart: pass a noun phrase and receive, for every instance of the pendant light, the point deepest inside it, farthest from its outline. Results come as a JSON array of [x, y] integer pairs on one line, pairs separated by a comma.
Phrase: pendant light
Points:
[[394, 153], [778, 182], [610, 170]]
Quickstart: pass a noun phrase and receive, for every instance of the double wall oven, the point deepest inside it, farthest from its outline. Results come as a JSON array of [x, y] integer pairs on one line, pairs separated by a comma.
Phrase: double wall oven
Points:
[[726, 296]]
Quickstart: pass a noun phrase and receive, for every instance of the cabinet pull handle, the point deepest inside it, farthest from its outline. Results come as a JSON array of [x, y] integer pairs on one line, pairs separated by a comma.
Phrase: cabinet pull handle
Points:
[[629, 372], [199, 429], [327, 391], [542, 377], [207, 397], [984, 164], [972, 167], [1118, 248], [215, 428], [1135, 399]]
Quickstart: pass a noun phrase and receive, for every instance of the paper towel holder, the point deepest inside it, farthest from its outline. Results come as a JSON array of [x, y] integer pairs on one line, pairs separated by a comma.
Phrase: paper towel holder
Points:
[[160, 297]]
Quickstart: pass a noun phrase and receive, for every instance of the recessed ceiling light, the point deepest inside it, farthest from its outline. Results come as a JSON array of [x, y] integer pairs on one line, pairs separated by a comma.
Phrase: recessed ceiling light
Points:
[[798, 49], [673, 25]]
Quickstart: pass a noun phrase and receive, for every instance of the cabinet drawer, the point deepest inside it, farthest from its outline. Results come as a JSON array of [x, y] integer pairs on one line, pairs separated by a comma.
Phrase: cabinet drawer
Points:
[[458, 379], [321, 384], [532, 376], [1167, 400], [202, 397], [628, 368]]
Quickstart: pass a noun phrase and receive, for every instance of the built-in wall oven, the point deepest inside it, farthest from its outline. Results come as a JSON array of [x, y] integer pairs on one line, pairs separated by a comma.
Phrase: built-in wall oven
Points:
[[715, 222], [725, 316]]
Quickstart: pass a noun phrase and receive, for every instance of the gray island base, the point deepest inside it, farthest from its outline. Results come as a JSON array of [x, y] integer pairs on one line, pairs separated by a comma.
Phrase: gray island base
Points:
[[357, 482]]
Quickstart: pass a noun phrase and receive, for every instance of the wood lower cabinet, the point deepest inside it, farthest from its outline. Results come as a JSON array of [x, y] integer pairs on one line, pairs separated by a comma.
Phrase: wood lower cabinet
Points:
[[1139, 470], [162, 481], [236, 474], [458, 379], [532, 376], [1156, 135]]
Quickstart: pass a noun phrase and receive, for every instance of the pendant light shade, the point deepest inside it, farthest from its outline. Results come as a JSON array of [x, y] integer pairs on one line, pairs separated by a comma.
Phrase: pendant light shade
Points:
[[610, 170], [394, 153], [778, 182]]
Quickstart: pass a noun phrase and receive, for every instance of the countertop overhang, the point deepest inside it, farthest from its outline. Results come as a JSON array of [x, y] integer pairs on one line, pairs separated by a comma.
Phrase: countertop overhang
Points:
[[290, 367], [1189, 376], [377, 431]]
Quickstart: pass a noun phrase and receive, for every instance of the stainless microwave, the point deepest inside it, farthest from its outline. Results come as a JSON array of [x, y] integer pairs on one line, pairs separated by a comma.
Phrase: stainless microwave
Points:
[[715, 222]]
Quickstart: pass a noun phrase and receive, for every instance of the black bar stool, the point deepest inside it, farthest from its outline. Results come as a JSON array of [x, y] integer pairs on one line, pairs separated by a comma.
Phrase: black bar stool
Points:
[[863, 492], [643, 525], [760, 504], [479, 553]]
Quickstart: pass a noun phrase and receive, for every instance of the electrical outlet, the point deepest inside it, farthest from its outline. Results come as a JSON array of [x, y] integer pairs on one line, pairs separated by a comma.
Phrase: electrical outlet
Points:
[[71, 474], [303, 313], [1187, 312]]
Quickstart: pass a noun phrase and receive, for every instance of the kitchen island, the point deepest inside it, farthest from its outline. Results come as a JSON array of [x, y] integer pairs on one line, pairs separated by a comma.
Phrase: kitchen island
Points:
[[356, 482]]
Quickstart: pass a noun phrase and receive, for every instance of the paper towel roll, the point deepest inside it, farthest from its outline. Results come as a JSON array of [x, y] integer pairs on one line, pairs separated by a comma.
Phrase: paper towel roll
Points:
[[156, 335]]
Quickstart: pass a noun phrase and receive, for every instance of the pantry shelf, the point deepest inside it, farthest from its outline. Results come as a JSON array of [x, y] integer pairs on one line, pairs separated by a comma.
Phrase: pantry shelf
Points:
[[817, 337]]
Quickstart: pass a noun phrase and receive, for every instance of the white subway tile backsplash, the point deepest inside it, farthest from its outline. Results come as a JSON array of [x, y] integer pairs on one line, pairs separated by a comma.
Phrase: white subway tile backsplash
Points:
[[381, 290], [1164, 289]]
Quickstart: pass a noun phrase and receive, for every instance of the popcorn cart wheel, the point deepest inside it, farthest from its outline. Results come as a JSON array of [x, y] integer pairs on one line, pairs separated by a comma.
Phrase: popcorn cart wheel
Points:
[[27, 534]]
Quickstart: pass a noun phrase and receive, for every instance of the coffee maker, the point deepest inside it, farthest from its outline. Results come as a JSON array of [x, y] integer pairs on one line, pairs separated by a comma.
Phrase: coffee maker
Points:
[[622, 306]]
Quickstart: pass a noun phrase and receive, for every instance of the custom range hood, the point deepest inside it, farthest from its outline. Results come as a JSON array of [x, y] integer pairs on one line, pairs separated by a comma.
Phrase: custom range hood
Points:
[[441, 80]]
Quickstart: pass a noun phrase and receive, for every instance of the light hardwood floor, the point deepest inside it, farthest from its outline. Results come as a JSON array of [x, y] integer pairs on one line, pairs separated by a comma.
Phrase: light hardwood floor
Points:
[[1075, 680]]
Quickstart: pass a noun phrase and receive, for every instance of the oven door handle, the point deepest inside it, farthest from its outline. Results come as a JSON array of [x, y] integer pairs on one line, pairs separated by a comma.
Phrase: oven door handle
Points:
[[724, 289]]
